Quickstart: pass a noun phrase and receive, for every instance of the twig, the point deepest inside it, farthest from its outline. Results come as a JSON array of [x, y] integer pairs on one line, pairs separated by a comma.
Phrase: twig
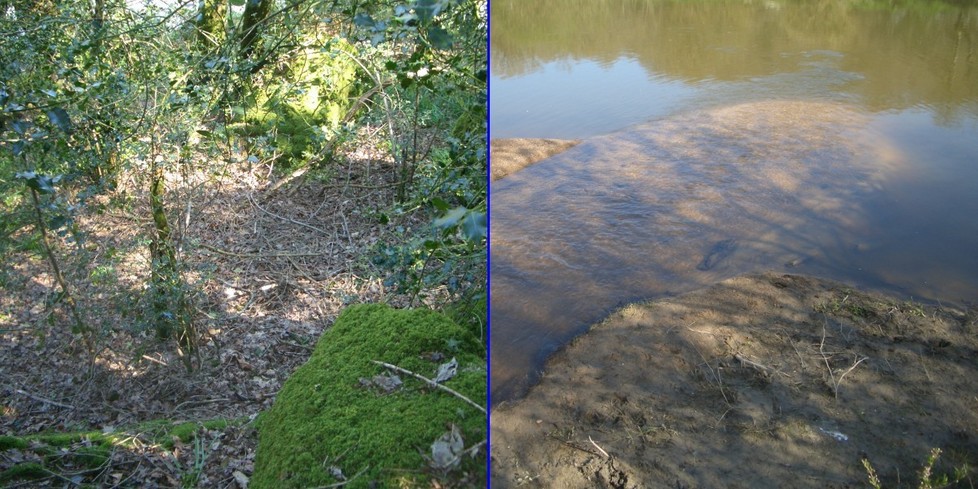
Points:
[[825, 358], [147, 357], [257, 255], [293, 221], [763, 368], [42, 399], [347, 481], [853, 367], [714, 372], [432, 383], [598, 447]]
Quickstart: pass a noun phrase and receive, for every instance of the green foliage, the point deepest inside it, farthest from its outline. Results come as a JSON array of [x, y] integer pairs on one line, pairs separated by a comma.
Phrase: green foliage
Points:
[[372, 434], [435, 53], [471, 311], [9, 442], [298, 109], [26, 470]]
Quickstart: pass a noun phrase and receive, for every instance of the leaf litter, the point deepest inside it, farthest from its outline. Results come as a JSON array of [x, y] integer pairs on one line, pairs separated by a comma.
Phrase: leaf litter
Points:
[[274, 268]]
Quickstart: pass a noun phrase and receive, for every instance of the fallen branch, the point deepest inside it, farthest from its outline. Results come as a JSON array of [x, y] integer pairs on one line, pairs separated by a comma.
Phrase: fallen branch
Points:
[[42, 399], [293, 221], [432, 383]]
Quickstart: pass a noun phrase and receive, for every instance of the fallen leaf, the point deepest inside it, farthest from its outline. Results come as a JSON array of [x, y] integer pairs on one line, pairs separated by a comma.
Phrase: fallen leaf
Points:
[[446, 451], [446, 371]]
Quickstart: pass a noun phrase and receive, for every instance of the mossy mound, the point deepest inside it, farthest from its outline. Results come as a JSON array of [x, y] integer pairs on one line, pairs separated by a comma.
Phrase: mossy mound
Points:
[[327, 421]]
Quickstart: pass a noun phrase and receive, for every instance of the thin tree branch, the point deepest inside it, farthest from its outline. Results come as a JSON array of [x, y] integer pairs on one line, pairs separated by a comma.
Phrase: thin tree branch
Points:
[[431, 383]]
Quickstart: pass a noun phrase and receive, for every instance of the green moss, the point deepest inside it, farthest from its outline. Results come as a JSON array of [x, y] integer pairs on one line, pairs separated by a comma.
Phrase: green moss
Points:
[[186, 432], [29, 470], [324, 418], [9, 442]]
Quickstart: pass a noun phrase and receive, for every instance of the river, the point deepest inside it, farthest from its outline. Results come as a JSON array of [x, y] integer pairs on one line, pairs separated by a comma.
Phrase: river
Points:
[[832, 138]]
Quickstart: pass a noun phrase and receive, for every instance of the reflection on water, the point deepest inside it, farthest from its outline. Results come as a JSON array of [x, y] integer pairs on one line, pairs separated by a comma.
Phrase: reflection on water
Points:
[[547, 57], [846, 147]]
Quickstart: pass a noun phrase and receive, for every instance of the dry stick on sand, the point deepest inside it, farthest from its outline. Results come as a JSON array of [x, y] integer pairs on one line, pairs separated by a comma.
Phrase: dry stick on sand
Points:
[[431, 383], [599, 448], [825, 358], [762, 368], [715, 373]]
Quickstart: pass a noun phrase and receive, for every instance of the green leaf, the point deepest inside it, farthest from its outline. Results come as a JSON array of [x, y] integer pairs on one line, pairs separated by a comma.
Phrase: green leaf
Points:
[[426, 9], [439, 204], [363, 20], [451, 218], [474, 226], [237, 3], [440, 38], [57, 222], [59, 117]]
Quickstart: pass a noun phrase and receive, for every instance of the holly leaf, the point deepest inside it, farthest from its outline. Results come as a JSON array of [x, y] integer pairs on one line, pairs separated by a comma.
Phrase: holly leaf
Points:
[[474, 226], [59, 117], [440, 38], [451, 218]]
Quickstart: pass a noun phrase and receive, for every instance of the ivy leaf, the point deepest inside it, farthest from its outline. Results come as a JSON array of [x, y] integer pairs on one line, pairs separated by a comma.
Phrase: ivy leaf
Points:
[[20, 127], [426, 9], [57, 222], [40, 183], [26, 175]]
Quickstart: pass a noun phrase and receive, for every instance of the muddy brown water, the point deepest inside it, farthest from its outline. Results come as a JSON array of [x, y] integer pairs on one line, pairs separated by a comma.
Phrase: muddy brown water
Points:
[[724, 137]]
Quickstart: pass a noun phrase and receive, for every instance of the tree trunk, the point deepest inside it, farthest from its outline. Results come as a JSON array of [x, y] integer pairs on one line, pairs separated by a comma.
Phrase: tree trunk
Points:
[[256, 11], [171, 306], [210, 22]]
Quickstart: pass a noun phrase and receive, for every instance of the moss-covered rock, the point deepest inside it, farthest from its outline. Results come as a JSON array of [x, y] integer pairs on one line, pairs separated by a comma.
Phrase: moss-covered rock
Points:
[[329, 419]]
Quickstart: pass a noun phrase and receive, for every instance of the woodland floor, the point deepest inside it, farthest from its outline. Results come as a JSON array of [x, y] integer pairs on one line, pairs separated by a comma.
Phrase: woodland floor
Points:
[[766, 380], [273, 270]]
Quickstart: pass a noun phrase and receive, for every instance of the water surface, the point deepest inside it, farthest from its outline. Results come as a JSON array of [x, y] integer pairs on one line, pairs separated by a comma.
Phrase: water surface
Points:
[[844, 146]]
